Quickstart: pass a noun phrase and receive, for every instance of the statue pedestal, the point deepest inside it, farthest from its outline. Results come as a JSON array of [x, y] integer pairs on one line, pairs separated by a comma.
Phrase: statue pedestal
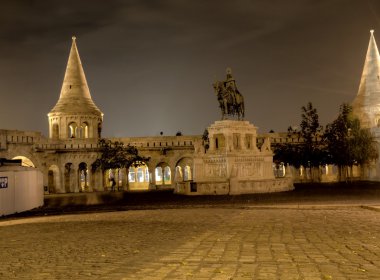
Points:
[[233, 164]]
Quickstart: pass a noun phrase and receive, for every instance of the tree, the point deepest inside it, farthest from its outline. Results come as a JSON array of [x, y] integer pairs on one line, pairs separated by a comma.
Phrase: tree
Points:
[[309, 152], [347, 143], [114, 155], [287, 153], [311, 148]]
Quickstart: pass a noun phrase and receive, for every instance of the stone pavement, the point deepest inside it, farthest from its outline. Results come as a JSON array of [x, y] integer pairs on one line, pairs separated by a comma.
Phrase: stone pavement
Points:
[[200, 243]]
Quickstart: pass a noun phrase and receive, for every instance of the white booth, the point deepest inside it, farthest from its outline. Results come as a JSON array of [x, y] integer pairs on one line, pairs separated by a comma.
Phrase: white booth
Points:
[[21, 189]]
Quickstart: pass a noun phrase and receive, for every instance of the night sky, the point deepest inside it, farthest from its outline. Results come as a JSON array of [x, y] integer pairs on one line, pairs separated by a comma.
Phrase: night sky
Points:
[[150, 64]]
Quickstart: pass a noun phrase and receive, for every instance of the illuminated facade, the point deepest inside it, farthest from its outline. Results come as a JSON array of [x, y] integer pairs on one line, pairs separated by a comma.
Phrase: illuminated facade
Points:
[[366, 105], [75, 115], [75, 125]]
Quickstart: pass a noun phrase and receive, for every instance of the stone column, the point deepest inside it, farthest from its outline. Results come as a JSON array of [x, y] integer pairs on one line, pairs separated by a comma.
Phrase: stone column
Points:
[[98, 180], [229, 142], [45, 179], [59, 181], [211, 143], [152, 178], [89, 185], [74, 179]]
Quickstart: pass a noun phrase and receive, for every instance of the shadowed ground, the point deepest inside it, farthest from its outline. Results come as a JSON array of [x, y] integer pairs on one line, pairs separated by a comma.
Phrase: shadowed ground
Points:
[[357, 193]]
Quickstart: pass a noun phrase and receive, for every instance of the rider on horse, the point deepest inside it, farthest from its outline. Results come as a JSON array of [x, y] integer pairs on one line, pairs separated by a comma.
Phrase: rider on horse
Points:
[[231, 101]]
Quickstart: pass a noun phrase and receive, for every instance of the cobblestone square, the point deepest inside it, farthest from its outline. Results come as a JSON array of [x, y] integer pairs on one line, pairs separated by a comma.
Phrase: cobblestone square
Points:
[[200, 243]]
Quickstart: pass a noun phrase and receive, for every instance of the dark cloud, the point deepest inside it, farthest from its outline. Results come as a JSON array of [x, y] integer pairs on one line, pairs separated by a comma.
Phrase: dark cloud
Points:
[[24, 21], [150, 64]]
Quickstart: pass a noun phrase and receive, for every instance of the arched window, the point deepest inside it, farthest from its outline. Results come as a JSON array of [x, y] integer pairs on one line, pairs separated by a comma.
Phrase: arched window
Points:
[[73, 130], [158, 175], [140, 174], [178, 173], [131, 175], [183, 171], [138, 177], [84, 130], [25, 161], [167, 175], [83, 176], [187, 176]]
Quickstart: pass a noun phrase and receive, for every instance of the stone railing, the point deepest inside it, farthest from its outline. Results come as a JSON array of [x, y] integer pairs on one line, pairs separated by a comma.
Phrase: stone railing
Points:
[[18, 137], [160, 142]]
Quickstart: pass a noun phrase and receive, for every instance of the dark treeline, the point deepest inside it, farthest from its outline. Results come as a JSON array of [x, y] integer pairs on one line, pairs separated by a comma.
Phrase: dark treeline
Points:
[[342, 143]]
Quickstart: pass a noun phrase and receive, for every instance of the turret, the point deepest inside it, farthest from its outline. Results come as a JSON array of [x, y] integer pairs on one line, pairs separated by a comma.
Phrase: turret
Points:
[[366, 105], [75, 115]]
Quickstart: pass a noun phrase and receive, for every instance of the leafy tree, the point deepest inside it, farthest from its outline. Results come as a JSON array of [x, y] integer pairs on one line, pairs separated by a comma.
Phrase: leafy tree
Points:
[[311, 148], [287, 153], [292, 130], [347, 143], [310, 151], [114, 155]]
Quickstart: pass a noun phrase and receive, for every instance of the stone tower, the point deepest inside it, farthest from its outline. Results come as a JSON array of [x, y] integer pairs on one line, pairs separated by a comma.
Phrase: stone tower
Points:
[[75, 115], [366, 105]]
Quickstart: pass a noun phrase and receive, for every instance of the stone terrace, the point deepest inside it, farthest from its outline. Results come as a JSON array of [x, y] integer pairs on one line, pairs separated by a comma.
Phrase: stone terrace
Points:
[[284, 236]]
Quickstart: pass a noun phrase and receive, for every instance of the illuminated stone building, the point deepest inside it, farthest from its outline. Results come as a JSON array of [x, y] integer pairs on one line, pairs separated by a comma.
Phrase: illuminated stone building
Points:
[[366, 105], [75, 125]]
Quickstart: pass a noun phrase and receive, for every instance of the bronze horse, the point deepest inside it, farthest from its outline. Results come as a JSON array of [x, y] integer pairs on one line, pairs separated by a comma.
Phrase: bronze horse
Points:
[[231, 101]]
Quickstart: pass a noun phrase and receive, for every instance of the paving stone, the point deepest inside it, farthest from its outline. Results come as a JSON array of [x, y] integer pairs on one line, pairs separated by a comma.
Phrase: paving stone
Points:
[[194, 244]]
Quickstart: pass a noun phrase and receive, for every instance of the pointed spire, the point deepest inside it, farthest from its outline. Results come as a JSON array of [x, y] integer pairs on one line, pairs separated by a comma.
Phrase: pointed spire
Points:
[[367, 102], [75, 97]]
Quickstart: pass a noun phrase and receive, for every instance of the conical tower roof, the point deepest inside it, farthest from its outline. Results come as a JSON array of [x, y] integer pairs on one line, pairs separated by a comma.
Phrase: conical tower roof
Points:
[[367, 102], [75, 97]]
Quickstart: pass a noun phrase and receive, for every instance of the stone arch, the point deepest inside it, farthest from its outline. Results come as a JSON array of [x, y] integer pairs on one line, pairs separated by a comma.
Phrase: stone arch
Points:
[[69, 177], [178, 177], [163, 174], [83, 177], [185, 170], [54, 179], [83, 131], [25, 161], [72, 130], [187, 174], [138, 176], [115, 178]]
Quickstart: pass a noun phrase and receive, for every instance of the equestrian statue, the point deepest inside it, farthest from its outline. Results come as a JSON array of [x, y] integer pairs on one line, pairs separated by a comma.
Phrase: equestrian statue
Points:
[[231, 101]]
